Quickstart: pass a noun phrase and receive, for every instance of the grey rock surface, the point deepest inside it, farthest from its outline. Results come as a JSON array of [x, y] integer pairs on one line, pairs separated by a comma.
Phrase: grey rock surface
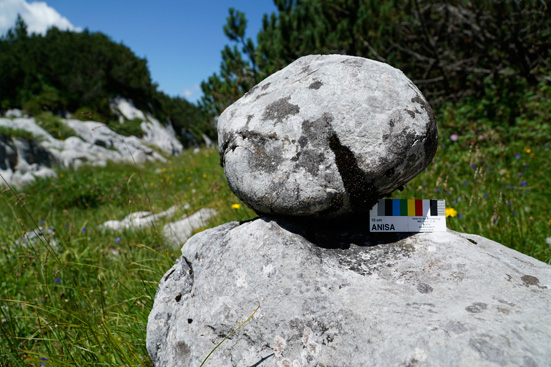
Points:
[[22, 160], [349, 299], [138, 220], [180, 231], [110, 146], [326, 136], [161, 136], [39, 234], [14, 112], [155, 133]]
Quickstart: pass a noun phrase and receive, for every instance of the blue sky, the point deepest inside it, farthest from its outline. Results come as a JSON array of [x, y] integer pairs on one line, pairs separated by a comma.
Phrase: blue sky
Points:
[[181, 39]]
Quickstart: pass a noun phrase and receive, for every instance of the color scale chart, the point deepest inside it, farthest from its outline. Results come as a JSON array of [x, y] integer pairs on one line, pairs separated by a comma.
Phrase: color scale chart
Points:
[[408, 215]]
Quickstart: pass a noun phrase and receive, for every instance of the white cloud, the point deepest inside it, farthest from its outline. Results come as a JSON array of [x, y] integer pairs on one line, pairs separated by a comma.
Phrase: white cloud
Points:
[[189, 93], [37, 15]]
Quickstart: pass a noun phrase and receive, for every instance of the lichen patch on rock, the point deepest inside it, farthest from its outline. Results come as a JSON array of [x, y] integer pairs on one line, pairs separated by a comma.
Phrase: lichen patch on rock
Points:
[[334, 133]]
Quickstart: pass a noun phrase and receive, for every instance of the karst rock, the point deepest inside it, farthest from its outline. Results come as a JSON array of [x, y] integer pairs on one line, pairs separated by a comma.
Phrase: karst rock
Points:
[[349, 299], [327, 136]]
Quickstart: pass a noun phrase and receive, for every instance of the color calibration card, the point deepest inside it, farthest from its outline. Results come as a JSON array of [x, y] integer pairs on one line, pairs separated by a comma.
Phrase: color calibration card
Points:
[[405, 215]]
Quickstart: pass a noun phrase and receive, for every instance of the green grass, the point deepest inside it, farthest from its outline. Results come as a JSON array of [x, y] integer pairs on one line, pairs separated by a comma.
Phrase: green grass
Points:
[[498, 192], [54, 126], [128, 127], [16, 133], [85, 301], [495, 176]]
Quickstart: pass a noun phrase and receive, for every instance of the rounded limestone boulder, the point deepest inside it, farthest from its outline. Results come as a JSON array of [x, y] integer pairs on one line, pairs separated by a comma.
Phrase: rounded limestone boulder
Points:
[[326, 137]]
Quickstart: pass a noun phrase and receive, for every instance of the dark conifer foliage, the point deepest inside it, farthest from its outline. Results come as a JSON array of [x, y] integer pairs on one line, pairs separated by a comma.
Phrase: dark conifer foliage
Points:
[[64, 71], [238, 72], [454, 50]]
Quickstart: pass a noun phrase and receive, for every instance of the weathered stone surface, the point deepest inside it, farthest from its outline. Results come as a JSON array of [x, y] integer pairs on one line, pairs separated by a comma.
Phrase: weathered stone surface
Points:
[[326, 136], [138, 220], [156, 134], [14, 113], [22, 160], [30, 158], [111, 144], [350, 299], [178, 232], [161, 136], [45, 236]]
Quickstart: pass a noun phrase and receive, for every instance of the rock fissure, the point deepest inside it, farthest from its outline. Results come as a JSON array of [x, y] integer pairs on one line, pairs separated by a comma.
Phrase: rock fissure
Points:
[[431, 141], [363, 195], [169, 274], [190, 270]]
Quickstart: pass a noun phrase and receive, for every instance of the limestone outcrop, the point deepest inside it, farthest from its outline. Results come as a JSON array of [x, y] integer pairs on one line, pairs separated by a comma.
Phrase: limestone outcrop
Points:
[[349, 298], [176, 232], [23, 159], [311, 149]]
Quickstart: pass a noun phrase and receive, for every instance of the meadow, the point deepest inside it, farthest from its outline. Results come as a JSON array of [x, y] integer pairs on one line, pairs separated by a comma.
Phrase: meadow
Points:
[[81, 296]]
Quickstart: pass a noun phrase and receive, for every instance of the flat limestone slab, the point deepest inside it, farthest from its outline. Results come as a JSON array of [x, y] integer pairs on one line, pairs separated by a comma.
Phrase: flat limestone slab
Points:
[[350, 299]]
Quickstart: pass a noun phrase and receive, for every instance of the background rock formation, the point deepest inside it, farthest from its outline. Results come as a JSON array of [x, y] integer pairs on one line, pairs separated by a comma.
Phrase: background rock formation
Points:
[[23, 158]]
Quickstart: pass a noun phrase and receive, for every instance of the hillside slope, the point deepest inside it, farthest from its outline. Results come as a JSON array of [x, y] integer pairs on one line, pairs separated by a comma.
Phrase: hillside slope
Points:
[[82, 74], [31, 148]]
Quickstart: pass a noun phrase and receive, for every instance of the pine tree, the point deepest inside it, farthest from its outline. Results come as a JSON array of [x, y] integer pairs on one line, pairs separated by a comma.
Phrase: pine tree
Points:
[[238, 71], [453, 50], [83, 71]]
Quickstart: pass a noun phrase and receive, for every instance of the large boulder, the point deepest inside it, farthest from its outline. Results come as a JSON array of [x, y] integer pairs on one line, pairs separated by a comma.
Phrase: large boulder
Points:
[[347, 298], [327, 136]]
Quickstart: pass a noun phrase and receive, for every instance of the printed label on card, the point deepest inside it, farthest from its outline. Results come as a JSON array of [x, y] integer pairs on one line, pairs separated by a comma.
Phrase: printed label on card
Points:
[[408, 215]]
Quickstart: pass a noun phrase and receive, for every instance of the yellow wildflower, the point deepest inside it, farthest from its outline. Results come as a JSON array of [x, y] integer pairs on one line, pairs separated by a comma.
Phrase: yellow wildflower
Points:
[[528, 150], [61, 175], [450, 212], [236, 206], [204, 175]]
